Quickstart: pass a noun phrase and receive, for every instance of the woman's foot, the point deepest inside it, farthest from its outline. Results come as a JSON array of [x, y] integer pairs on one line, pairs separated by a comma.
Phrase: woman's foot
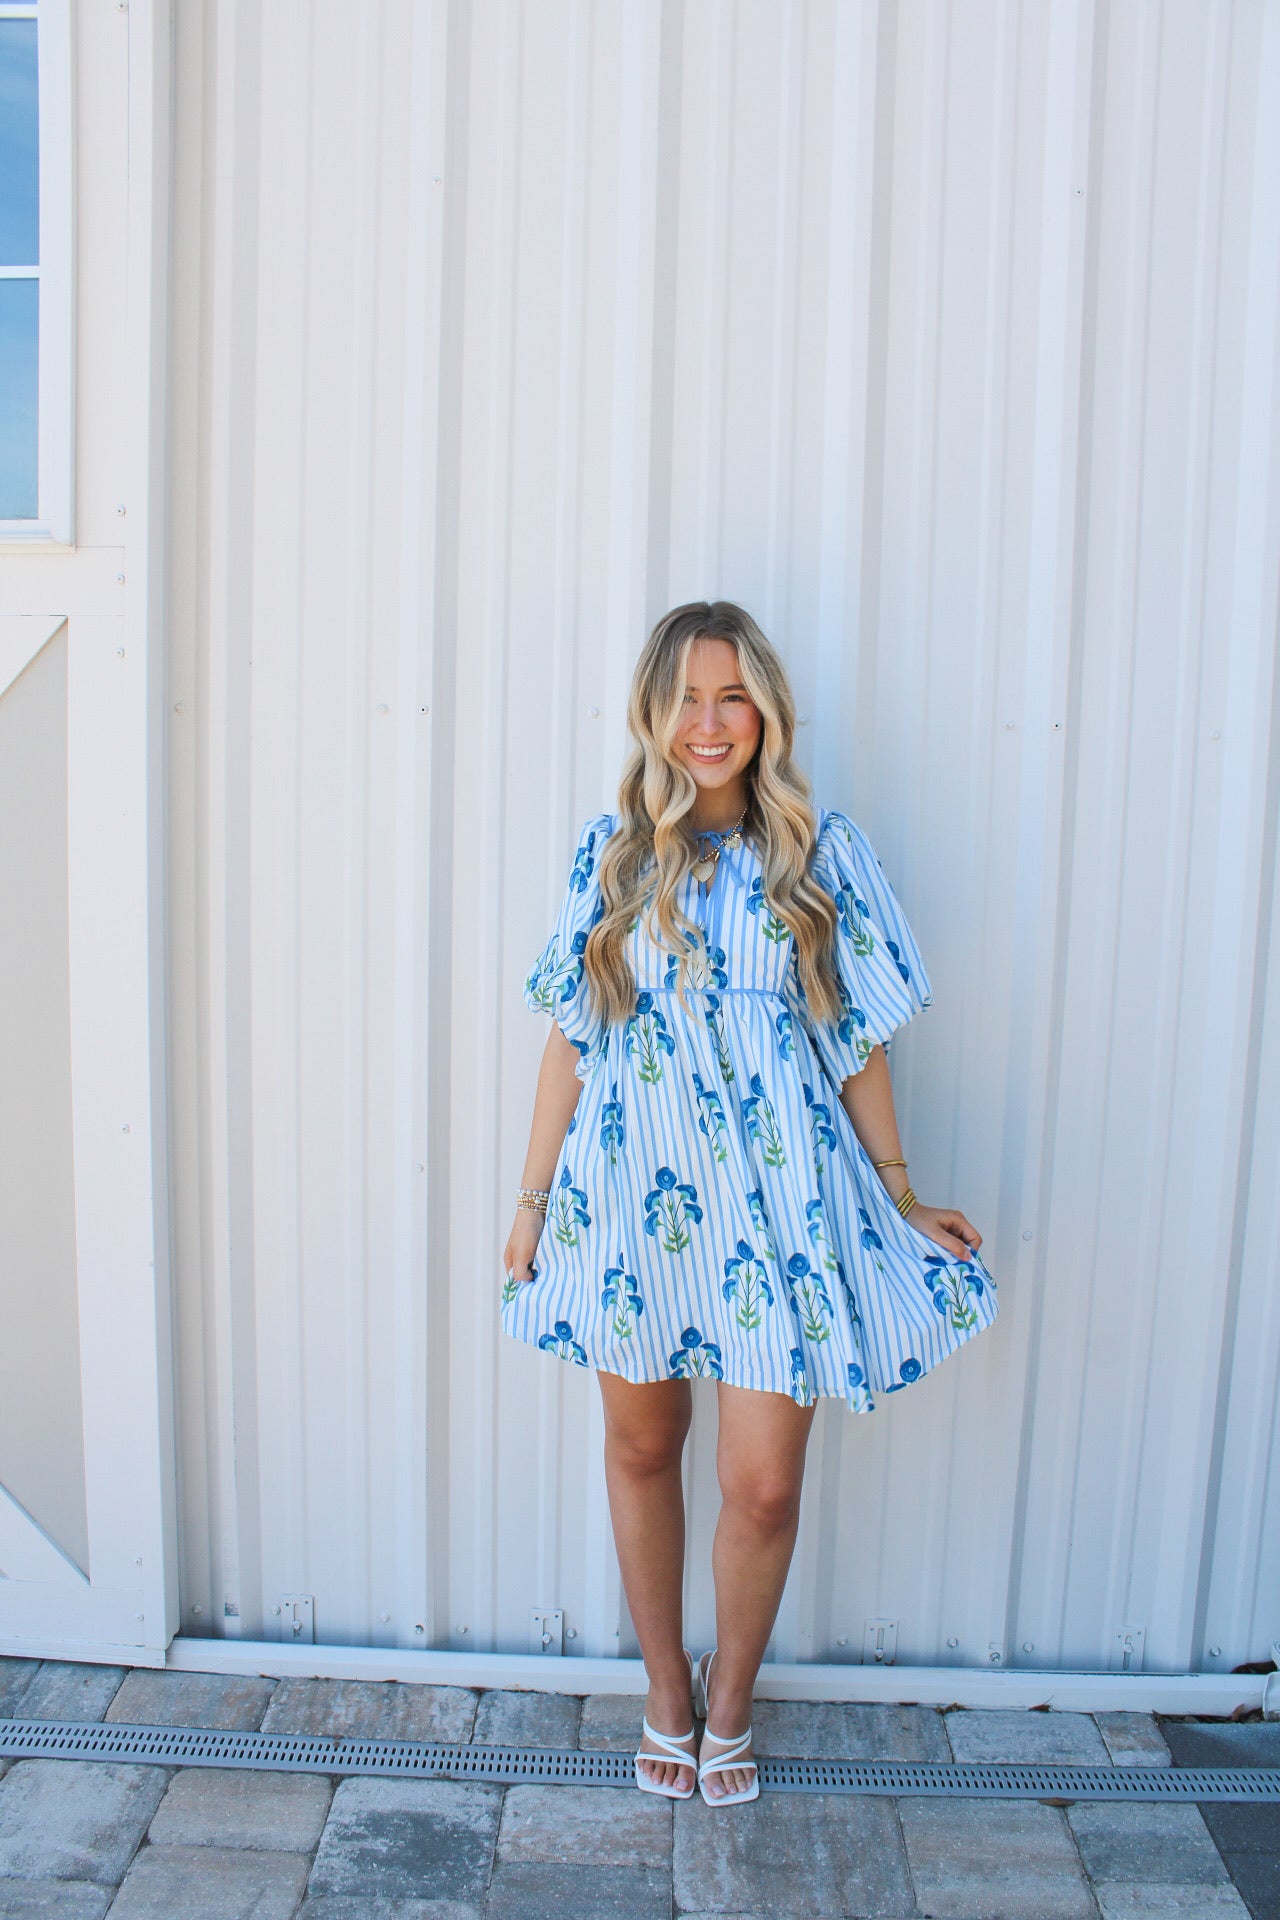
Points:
[[668, 1708], [729, 1710]]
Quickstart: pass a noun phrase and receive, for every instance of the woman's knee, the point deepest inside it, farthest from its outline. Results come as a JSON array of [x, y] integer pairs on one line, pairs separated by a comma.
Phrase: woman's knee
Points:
[[645, 1434], [767, 1501]]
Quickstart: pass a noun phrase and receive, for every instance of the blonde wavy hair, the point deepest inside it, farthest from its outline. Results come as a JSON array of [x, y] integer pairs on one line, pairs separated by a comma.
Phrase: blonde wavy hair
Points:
[[646, 858]]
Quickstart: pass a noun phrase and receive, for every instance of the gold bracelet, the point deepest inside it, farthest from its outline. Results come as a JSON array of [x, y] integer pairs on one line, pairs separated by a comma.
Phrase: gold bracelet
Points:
[[534, 1199], [906, 1203], [888, 1163]]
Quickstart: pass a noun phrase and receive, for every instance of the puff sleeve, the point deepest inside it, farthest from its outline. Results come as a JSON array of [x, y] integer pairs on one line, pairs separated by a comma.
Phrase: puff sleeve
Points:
[[555, 983], [879, 969]]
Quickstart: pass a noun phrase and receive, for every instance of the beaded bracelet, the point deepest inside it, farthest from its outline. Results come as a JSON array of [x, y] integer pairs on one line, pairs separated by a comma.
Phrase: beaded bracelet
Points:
[[532, 1198]]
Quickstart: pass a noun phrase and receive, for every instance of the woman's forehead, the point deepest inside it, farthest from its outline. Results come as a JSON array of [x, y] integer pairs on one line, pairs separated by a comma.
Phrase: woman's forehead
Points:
[[713, 661]]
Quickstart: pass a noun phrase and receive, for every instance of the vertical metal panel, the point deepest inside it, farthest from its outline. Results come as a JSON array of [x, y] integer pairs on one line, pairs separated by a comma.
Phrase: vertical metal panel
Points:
[[942, 337]]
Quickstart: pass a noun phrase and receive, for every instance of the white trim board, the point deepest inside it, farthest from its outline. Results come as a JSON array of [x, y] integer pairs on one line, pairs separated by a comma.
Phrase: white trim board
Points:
[[22, 635], [1192, 1693]]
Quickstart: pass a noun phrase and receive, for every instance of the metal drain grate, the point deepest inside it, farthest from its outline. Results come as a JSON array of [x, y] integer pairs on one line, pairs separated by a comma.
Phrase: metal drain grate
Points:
[[415, 1759]]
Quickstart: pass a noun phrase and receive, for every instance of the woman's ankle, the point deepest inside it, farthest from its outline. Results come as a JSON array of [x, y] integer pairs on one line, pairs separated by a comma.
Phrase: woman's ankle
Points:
[[667, 1675]]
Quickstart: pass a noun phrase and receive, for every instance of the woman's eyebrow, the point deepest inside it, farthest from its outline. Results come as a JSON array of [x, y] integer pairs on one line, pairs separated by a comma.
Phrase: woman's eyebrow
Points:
[[734, 686]]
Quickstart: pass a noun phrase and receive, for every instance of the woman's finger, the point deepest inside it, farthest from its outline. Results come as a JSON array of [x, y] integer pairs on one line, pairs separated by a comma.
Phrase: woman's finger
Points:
[[965, 1229]]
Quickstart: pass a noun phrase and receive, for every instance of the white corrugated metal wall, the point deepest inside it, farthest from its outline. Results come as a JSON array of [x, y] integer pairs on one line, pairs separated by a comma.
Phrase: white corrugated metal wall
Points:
[[945, 338]]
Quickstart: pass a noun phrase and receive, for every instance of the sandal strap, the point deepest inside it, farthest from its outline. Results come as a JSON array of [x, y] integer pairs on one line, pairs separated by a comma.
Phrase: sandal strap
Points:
[[728, 1761], [667, 1741]]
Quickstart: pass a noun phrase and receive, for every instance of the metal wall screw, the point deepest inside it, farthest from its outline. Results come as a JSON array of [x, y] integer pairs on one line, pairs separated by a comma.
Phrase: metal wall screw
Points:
[[1027, 1234], [842, 1639], [419, 1629], [464, 1629], [953, 1642], [139, 1616], [119, 579], [1028, 1646], [275, 1609], [383, 707], [138, 1561], [1008, 726], [594, 712], [120, 508], [178, 707], [119, 653], [125, 1127], [384, 1617], [197, 1608], [1215, 1653], [571, 1633]]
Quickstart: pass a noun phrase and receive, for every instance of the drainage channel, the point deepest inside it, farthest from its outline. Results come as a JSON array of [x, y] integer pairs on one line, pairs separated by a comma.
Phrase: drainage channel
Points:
[[426, 1760]]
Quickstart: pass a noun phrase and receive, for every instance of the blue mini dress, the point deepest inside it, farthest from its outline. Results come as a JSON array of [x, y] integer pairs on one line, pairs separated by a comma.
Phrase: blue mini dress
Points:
[[712, 1210]]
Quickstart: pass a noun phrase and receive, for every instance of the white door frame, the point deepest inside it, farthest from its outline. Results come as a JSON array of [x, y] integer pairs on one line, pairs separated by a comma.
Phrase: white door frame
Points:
[[126, 1608]]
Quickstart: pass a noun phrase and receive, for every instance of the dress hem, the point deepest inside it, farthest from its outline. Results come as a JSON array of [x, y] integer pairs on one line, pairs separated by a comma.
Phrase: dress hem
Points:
[[725, 1378]]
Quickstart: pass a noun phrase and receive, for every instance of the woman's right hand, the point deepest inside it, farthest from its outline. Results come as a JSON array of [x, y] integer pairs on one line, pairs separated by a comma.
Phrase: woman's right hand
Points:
[[522, 1244]]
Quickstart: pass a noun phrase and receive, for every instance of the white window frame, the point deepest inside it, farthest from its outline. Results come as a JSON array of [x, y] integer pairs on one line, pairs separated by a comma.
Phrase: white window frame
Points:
[[55, 395]]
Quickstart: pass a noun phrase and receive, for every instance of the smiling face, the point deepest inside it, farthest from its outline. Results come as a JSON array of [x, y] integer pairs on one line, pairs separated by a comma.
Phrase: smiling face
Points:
[[718, 733]]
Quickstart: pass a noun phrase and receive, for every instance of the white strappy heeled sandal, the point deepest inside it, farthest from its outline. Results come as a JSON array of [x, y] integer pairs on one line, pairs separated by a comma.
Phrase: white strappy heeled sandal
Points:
[[672, 1749], [730, 1761]]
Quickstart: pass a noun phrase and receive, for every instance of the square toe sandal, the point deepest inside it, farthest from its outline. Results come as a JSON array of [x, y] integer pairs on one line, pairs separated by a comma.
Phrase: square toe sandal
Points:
[[671, 1750], [734, 1747]]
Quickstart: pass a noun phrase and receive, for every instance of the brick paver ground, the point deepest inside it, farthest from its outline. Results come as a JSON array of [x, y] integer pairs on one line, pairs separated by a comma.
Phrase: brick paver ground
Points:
[[84, 1840]]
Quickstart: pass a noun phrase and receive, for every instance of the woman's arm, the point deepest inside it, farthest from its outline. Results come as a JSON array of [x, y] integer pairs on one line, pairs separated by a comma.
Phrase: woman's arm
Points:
[[867, 1098], [553, 1106]]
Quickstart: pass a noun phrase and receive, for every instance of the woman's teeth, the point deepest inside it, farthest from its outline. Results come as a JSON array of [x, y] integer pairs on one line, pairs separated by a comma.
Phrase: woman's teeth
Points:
[[710, 754]]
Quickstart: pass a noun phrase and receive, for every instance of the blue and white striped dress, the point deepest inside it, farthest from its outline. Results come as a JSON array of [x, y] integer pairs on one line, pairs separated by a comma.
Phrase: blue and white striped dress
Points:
[[712, 1211]]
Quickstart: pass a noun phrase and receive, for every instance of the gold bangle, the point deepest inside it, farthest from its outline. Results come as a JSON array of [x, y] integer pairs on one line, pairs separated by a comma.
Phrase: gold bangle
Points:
[[888, 1163], [906, 1203]]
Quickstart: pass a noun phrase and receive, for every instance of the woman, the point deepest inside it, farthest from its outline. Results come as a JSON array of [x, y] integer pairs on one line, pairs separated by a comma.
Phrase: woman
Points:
[[715, 1184]]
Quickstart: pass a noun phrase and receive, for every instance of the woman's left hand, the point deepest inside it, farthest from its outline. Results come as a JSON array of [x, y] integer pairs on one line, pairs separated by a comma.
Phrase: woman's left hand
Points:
[[948, 1226]]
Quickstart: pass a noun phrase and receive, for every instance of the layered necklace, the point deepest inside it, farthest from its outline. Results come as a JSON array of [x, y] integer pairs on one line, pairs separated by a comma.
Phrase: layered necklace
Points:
[[705, 865]]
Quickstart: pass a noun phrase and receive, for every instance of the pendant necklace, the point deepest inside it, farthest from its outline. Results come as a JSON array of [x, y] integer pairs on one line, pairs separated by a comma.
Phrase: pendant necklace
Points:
[[705, 865]]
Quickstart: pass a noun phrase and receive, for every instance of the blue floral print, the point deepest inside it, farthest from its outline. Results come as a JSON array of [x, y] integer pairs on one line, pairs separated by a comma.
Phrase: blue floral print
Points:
[[621, 1292], [810, 1301], [951, 1283], [567, 1210], [613, 1131], [762, 1124], [821, 1132], [711, 1118], [770, 925], [695, 1357], [561, 1342], [746, 1284], [713, 1214], [669, 1210], [648, 1038]]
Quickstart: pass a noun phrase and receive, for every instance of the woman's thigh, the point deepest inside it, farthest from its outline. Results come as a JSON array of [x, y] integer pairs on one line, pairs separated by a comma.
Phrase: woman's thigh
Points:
[[760, 1448], [648, 1419]]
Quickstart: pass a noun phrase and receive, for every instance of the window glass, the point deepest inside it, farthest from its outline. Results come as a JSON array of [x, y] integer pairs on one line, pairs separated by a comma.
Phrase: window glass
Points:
[[19, 146], [19, 269], [19, 368]]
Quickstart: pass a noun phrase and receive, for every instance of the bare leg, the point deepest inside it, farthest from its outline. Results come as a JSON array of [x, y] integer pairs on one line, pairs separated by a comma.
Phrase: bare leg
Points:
[[646, 1425], [760, 1462]]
